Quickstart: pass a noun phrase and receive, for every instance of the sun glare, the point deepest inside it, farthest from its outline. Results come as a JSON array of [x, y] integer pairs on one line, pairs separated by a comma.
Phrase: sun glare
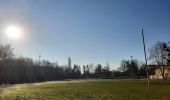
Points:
[[13, 31]]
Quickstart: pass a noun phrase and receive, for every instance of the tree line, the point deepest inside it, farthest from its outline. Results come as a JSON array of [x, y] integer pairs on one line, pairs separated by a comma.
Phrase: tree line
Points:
[[132, 69], [24, 70]]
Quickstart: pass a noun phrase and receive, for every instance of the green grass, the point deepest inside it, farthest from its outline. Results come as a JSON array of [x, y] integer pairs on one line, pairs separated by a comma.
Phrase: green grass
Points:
[[90, 90]]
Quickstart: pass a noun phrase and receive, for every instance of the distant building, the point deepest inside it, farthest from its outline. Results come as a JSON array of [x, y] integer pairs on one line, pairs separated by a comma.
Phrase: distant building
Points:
[[69, 62], [156, 73]]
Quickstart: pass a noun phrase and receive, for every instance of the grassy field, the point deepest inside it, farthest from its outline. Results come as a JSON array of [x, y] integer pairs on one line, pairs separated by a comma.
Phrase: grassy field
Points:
[[89, 90]]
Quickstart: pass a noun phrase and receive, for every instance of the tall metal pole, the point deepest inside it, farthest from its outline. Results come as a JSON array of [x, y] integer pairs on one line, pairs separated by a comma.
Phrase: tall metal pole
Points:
[[145, 57]]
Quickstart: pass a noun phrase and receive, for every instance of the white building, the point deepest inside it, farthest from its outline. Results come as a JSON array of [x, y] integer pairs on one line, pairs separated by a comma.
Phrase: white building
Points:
[[158, 73]]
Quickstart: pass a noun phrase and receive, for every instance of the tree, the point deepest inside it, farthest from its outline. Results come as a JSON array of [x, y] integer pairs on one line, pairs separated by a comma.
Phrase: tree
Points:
[[76, 71], [91, 68], [5, 52], [98, 70], [142, 69], [106, 70], [87, 72], [129, 67], [168, 54], [159, 56], [84, 70], [134, 68], [123, 66]]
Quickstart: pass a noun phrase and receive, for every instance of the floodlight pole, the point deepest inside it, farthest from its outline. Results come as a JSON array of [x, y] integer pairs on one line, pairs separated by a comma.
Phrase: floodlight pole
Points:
[[145, 56]]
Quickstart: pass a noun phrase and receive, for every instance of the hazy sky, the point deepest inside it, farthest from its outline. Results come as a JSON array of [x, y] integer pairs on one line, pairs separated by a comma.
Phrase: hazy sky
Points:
[[88, 31]]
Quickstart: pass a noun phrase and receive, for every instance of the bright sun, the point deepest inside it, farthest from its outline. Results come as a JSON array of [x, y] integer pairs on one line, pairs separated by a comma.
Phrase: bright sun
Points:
[[13, 31]]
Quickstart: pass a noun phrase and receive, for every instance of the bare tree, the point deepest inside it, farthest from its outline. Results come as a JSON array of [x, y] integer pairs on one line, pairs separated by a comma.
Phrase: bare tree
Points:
[[107, 67], [98, 70], [159, 56], [123, 66], [91, 68], [5, 52]]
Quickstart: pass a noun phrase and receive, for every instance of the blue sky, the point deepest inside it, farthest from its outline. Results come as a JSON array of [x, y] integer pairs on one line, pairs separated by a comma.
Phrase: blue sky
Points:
[[88, 31]]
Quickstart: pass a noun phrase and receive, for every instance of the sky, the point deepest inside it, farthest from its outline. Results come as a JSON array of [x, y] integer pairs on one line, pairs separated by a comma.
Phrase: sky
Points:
[[88, 31]]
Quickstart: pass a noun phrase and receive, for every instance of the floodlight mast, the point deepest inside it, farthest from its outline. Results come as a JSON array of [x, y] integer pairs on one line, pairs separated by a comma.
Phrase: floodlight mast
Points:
[[143, 38]]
